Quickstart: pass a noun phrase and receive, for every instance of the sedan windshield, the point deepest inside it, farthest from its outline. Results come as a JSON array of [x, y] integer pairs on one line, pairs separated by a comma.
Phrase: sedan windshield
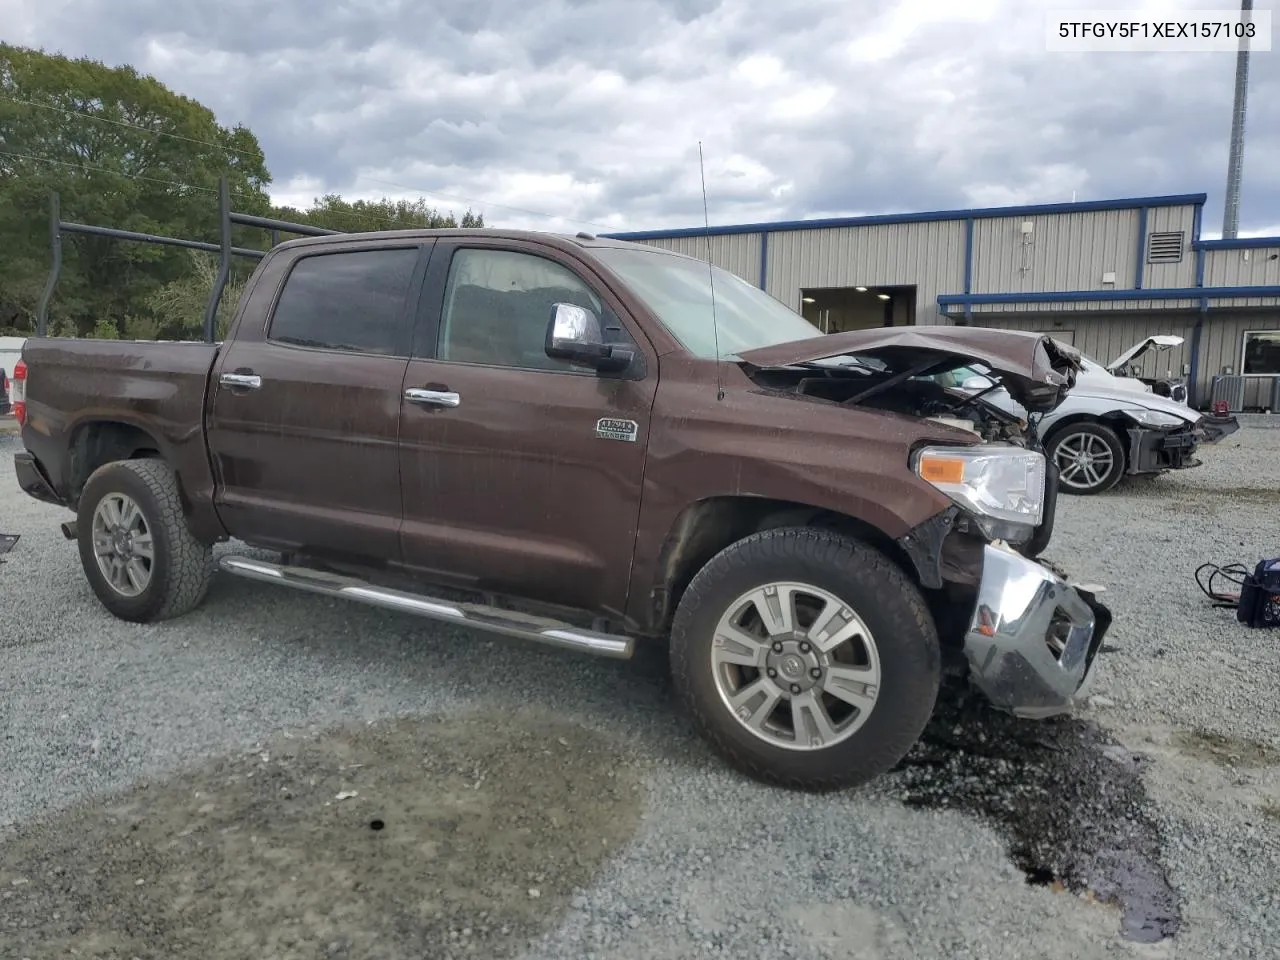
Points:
[[678, 290]]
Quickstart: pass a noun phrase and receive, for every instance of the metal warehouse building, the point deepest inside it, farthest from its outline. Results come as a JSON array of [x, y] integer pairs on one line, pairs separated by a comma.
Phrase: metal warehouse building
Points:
[[1099, 274]]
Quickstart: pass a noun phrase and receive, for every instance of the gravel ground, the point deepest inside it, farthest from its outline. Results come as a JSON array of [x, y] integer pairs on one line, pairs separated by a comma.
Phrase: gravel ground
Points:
[[173, 791]]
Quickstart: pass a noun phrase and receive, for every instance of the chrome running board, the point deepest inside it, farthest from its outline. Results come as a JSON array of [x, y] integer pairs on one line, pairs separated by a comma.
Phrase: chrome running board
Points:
[[512, 623]]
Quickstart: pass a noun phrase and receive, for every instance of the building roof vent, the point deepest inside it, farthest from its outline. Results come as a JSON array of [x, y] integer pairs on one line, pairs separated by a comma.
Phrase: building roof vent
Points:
[[1165, 247]]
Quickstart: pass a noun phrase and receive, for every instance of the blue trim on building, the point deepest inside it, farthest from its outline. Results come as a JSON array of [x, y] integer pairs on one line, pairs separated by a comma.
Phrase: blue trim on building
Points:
[[1196, 222], [764, 260], [1193, 378], [1074, 296], [968, 263], [1196, 334], [979, 213], [968, 255], [1238, 243], [1140, 266], [1198, 245]]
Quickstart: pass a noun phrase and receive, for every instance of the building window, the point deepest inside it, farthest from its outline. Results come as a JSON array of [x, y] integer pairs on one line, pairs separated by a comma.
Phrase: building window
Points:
[[1165, 247], [1261, 353]]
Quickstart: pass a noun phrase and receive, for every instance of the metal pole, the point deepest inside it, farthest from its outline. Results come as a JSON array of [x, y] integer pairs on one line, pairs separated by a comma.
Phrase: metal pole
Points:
[[224, 261], [55, 242], [1235, 161]]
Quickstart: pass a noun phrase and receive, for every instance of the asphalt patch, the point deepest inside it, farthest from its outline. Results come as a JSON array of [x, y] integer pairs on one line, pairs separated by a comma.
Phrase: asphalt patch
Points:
[[444, 837], [1069, 800]]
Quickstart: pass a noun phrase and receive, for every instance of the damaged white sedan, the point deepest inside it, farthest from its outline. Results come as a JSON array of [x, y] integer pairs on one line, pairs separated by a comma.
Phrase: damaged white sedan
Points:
[[1113, 424]]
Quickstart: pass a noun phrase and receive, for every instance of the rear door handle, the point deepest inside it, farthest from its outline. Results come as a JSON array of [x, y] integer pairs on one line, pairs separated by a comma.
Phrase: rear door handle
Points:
[[248, 381], [434, 398]]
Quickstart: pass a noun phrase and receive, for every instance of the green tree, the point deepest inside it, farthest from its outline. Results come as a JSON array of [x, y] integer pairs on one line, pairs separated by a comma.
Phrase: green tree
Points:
[[122, 150], [177, 308], [334, 213]]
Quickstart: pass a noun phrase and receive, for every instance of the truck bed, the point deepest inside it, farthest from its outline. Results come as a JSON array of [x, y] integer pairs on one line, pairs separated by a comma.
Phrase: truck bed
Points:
[[90, 401]]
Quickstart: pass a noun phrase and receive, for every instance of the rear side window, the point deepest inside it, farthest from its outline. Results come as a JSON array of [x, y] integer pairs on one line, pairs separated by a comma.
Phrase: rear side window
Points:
[[352, 301]]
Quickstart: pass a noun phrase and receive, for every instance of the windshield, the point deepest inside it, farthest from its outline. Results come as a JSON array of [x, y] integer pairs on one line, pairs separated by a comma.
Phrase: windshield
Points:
[[678, 290]]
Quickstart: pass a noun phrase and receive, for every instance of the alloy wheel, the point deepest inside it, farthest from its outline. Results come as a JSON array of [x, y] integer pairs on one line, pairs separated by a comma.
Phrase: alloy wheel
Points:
[[796, 666], [123, 544], [1084, 460]]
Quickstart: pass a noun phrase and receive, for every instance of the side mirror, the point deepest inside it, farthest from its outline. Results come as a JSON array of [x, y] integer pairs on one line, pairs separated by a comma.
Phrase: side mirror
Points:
[[575, 334], [977, 383]]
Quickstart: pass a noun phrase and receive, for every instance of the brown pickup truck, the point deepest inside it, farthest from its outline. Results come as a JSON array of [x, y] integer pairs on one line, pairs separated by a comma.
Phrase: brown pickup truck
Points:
[[593, 444]]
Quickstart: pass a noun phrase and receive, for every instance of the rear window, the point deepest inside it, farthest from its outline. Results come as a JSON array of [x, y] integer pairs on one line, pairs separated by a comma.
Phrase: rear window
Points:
[[353, 301]]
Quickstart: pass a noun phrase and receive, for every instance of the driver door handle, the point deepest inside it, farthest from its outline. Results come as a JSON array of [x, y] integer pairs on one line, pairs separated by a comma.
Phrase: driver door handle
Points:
[[248, 381], [434, 398]]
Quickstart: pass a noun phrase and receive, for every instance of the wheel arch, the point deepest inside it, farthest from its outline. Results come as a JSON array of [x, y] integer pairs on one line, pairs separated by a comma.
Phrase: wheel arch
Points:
[[707, 526], [93, 443], [1113, 419]]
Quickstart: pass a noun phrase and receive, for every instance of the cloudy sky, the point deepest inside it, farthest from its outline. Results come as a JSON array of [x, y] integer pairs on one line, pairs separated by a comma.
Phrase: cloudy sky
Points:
[[586, 114]]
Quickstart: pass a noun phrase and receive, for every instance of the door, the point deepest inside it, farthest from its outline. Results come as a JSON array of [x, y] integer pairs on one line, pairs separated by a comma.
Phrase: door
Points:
[[521, 474], [305, 413]]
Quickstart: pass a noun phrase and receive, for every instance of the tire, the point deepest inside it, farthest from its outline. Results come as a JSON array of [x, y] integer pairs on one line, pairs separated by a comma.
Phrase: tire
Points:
[[1095, 440], [899, 638], [144, 494]]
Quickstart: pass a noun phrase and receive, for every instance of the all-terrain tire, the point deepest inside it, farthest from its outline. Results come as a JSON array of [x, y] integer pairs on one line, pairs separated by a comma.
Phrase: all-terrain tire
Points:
[[1090, 433], [864, 581], [181, 567]]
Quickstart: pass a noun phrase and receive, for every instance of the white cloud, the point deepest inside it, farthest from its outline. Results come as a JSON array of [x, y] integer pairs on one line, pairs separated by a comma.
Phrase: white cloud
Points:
[[587, 113]]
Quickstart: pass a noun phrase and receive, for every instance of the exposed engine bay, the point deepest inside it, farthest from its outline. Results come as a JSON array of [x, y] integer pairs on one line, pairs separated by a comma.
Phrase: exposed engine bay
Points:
[[916, 392]]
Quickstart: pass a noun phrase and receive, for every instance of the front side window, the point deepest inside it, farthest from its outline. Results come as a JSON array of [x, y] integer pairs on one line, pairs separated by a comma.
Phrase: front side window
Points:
[[351, 301], [1261, 352], [498, 303]]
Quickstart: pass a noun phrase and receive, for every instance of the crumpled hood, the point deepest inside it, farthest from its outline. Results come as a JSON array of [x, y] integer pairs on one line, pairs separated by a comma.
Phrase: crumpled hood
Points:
[[1035, 369]]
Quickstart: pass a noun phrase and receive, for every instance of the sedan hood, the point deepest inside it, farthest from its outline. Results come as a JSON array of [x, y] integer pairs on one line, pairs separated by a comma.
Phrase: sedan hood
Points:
[[1035, 369], [1161, 341]]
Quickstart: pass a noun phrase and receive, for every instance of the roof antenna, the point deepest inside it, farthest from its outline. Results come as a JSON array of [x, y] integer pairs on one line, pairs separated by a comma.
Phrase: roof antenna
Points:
[[715, 327]]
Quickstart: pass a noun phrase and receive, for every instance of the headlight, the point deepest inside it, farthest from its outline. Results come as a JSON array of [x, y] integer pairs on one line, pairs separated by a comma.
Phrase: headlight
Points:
[[1001, 482], [1153, 418]]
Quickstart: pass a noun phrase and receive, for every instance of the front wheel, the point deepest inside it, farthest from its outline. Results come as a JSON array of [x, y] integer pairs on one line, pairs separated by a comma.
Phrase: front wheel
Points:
[[137, 552], [806, 658], [1089, 457]]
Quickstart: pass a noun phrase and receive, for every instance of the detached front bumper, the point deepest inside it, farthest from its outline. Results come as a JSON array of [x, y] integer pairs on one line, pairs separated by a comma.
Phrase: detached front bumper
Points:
[[1032, 638], [1211, 429]]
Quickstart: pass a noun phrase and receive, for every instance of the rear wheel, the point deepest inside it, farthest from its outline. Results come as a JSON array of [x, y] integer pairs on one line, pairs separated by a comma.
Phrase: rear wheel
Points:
[[1089, 456], [806, 658], [137, 552]]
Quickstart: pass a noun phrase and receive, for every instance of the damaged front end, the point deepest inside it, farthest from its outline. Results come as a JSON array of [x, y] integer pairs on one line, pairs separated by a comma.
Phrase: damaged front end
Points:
[[1212, 428], [1154, 449], [1032, 638], [1158, 441], [986, 459], [1027, 637]]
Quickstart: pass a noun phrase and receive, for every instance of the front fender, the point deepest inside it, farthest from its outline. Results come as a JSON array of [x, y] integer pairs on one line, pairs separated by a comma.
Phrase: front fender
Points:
[[757, 446]]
